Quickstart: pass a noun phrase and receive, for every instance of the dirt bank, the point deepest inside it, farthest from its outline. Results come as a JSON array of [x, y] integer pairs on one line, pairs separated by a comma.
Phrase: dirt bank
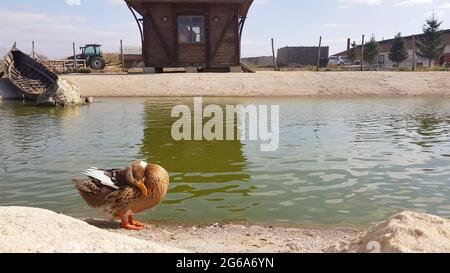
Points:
[[46, 231], [266, 84]]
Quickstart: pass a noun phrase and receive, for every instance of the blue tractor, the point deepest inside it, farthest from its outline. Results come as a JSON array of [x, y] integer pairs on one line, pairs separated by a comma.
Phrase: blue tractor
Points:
[[92, 53]]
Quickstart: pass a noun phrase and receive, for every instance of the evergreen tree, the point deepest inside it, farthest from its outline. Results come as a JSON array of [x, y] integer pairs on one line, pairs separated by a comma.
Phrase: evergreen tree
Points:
[[353, 53], [430, 45], [398, 52], [371, 51]]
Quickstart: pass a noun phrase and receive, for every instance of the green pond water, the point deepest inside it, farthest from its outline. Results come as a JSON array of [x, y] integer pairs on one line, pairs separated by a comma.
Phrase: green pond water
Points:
[[341, 162]]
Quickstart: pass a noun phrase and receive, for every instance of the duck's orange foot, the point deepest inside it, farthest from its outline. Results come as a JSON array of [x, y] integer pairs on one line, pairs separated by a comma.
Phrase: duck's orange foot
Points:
[[134, 222], [138, 224], [129, 222], [132, 227]]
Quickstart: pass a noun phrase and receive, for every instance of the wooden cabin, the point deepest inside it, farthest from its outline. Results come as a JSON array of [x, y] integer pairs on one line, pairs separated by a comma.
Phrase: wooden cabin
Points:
[[196, 34]]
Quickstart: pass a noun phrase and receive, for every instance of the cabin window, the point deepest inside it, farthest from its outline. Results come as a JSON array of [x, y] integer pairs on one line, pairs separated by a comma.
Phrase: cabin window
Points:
[[191, 29], [381, 59]]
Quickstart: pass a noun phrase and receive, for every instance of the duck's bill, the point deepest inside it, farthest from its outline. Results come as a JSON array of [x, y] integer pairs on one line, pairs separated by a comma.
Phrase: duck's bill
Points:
[[143, 188]]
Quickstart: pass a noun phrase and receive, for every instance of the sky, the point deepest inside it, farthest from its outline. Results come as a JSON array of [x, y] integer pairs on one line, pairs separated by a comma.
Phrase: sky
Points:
[[55, 24]]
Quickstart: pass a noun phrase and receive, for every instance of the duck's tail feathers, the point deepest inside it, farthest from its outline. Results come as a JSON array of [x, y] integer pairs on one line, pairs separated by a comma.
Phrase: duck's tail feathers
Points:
[[100, 175]]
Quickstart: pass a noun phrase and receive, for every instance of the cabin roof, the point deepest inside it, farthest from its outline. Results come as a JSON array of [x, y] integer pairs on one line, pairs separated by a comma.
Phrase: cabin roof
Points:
[[245, 4]]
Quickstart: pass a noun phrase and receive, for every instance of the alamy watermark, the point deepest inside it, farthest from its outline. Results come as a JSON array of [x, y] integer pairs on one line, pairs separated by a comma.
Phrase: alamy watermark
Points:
[[254, 123]]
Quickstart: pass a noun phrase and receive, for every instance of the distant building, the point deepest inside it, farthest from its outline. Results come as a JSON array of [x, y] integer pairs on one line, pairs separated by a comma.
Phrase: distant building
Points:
[[386, 45], [201, 34], [301, 55]]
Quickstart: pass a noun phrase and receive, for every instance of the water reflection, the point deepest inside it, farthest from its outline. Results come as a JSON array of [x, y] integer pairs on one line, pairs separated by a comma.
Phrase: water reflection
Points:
[[199, 169], [340, 162], [28, 125]]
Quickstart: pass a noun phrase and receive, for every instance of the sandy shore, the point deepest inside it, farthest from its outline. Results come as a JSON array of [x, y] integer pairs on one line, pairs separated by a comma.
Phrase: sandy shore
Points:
[[266, 84], [328, 84], [37, 230], [238, 238]]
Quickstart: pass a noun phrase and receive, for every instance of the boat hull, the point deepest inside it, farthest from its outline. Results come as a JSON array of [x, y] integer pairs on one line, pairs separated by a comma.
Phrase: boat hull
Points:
[[30, 77]]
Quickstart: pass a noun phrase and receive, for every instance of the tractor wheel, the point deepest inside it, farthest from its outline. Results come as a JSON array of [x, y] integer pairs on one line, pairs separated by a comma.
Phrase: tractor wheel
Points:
[[97, 63]]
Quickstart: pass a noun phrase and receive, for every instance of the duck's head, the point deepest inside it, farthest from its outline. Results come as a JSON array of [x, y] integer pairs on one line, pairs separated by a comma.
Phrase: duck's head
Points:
[[136, 173], [156, 174]]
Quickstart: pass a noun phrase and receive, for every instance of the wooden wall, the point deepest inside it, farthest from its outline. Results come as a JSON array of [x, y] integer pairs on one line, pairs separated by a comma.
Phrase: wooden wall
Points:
[[220, 49], [158, 42], [224, 36]]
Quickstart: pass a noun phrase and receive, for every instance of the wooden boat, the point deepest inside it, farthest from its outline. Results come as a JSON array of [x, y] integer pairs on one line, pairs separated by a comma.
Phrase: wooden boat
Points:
[[30, 77]]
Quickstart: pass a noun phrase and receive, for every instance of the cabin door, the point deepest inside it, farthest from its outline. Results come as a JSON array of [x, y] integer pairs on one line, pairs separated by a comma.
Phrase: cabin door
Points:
[[192, 40]]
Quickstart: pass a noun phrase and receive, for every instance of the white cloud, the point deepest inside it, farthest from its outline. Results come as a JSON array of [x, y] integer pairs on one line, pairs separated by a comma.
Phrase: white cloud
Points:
[[73, 2]]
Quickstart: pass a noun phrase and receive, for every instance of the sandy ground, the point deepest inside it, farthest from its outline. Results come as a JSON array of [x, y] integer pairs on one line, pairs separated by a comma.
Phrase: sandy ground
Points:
[[37, 230], [238, 238], [266, 84], [406, 232], [30, 230]]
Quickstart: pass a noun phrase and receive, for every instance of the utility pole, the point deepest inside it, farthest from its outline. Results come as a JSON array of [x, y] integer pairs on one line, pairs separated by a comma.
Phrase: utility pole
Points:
[[122, 56], [362, 53], [32, 50], [275, 65], [318, 53], [74, 58], [414, 53]]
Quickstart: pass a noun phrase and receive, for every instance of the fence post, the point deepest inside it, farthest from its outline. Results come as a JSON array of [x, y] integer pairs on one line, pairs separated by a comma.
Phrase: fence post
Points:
[[74, 58], [32, 50], [319, 53], [362, 53], [414, 53], [122, 56], [275, 65]]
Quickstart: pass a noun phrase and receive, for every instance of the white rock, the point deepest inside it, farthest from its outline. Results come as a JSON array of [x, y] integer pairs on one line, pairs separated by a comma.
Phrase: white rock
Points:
[[66, 94], [406, 232], [30, 230]]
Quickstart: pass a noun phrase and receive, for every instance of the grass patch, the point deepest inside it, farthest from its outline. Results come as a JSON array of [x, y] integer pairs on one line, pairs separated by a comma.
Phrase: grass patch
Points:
[[112, 58], [84, 70]]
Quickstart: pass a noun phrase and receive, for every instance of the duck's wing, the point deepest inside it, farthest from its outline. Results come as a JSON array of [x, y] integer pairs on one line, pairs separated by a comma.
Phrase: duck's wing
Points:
[[110, 178], [107, 199], [93, 192]]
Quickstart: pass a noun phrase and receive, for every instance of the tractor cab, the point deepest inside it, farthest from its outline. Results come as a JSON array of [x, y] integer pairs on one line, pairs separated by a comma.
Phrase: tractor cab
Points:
[[92, 54], [91, 50]]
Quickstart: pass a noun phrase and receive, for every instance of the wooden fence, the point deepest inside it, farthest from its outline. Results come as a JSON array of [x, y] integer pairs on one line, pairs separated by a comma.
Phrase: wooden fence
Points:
[[59, 66], [301, 55]]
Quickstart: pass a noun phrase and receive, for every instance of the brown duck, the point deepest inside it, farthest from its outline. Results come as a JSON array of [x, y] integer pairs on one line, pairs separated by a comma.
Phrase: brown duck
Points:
[[120, 194]]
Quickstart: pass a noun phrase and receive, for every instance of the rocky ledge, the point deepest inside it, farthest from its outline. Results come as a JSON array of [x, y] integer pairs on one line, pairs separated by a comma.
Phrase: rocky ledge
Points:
[[406, 232], [31, 230]]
